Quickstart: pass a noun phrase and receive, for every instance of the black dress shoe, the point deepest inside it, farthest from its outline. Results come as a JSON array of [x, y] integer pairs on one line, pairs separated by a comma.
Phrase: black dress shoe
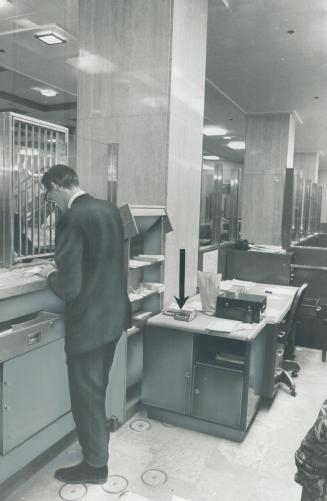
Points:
[[83, 473]]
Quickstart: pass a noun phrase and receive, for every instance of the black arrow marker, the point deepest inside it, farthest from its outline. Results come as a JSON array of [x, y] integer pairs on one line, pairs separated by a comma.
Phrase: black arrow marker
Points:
[[182, 299]]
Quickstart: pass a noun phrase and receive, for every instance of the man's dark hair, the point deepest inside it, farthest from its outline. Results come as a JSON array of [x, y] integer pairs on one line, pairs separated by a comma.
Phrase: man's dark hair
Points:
[[60, 174]]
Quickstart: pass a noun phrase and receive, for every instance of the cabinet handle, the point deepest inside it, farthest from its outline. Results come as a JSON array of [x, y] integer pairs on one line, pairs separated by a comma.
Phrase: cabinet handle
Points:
[[187, 375], [196, 391]]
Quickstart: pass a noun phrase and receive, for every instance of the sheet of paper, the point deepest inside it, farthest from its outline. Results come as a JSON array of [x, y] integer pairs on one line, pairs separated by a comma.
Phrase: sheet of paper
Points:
[[223, 325], [243, 283], [133, 263], [279, 290]]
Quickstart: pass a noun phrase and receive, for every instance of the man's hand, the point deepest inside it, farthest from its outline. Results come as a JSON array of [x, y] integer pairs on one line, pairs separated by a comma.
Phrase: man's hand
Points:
[[46, 269]]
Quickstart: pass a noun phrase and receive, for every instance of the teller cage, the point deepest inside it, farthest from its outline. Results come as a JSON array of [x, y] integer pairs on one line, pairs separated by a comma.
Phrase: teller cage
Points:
[[28, 147]]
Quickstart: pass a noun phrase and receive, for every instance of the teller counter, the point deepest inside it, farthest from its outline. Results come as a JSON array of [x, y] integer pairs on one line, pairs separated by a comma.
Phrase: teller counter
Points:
[[35, 405]]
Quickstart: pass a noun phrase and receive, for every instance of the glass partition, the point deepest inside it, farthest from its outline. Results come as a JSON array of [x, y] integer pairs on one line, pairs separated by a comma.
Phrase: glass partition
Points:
[[219, 216]]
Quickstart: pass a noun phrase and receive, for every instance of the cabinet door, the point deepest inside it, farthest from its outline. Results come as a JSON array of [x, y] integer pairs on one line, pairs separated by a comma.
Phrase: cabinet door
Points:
[[217, 395], [167, 369], [35, 393]]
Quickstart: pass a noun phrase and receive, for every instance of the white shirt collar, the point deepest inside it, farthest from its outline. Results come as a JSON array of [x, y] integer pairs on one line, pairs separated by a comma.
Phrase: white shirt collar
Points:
[[72, 198]]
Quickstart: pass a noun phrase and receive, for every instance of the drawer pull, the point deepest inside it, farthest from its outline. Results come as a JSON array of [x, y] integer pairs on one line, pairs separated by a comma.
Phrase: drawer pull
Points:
[[33, 338]]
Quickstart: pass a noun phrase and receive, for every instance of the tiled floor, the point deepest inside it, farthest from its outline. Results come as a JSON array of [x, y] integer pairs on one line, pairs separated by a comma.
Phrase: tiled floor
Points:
[[197, 467]]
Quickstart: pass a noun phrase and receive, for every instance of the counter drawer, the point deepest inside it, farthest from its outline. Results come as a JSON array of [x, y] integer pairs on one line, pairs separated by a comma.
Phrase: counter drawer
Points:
[[34, 393], [26, 336]]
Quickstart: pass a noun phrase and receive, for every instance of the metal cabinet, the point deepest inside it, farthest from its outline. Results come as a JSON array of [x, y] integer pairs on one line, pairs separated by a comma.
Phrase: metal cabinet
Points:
[[34, 393], [167, 369], [217, 394]]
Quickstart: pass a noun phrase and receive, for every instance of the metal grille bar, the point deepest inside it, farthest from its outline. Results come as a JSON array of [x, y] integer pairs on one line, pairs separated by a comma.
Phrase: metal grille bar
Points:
[[36, 146]]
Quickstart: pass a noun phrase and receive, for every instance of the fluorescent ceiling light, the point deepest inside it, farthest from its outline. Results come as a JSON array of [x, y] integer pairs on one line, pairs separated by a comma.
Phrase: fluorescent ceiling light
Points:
[[52, 140], [46, 92], [50, 38], [227, 137], [91, 63], [210, 157], [214, 130], [236, 145]]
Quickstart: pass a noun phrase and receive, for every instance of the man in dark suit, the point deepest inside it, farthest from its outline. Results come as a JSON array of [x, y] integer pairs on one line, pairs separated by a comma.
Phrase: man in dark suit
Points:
[[90, 278]]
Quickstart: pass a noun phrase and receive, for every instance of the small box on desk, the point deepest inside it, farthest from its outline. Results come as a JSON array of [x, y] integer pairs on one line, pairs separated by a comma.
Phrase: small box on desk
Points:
[[242, 307]]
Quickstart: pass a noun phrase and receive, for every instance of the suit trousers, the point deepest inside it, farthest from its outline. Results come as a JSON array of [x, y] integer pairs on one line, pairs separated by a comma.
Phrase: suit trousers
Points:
[[88, 377]]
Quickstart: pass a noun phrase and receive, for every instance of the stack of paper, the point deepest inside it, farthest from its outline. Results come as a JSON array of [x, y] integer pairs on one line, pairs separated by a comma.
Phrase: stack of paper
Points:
[[133, 263], [223, 325], [153, 258], [276, 249]]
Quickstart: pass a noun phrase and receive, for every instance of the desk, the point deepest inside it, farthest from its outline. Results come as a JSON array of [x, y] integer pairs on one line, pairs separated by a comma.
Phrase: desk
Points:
[[212, 381]]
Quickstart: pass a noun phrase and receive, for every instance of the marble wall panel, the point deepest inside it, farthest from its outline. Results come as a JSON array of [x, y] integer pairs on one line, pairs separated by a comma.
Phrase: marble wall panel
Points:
[[142, 157], [262, 208], [269, 151], [124, 57], [188, 58]]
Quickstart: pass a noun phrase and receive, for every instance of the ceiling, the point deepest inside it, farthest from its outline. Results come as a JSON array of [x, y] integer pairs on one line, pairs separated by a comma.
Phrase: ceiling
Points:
[[253, 65]]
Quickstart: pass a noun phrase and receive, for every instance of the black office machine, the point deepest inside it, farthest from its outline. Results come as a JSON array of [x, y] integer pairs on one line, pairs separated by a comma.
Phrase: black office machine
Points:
[[243, 307]]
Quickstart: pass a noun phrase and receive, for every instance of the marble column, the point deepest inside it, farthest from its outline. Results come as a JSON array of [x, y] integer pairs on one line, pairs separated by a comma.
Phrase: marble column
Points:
[[269, 152], [141, 75], [307, 164]]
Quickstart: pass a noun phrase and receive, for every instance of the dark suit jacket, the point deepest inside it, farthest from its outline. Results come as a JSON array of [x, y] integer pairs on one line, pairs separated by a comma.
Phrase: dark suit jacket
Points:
[[91, 277]]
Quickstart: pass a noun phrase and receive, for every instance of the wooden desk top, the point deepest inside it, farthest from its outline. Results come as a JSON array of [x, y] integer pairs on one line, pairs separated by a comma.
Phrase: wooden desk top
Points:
[[279, 301]]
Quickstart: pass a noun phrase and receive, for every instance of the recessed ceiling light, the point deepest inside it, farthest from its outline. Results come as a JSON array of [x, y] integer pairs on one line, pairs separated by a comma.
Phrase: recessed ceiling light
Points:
[[236, 145], [213, 130], [210, 157], [50, 38], [46, 92]]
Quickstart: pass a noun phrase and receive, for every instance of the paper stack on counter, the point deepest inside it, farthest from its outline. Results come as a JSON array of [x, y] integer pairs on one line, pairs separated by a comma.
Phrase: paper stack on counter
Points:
[[223, 325], [227, 285]]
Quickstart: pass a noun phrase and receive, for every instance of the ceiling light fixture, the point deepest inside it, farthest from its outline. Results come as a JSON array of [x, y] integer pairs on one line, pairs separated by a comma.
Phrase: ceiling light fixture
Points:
[[236, 145], [290, 32], [46, 92], [210, 157], [227, 137], [214, 130], [50, 38]]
